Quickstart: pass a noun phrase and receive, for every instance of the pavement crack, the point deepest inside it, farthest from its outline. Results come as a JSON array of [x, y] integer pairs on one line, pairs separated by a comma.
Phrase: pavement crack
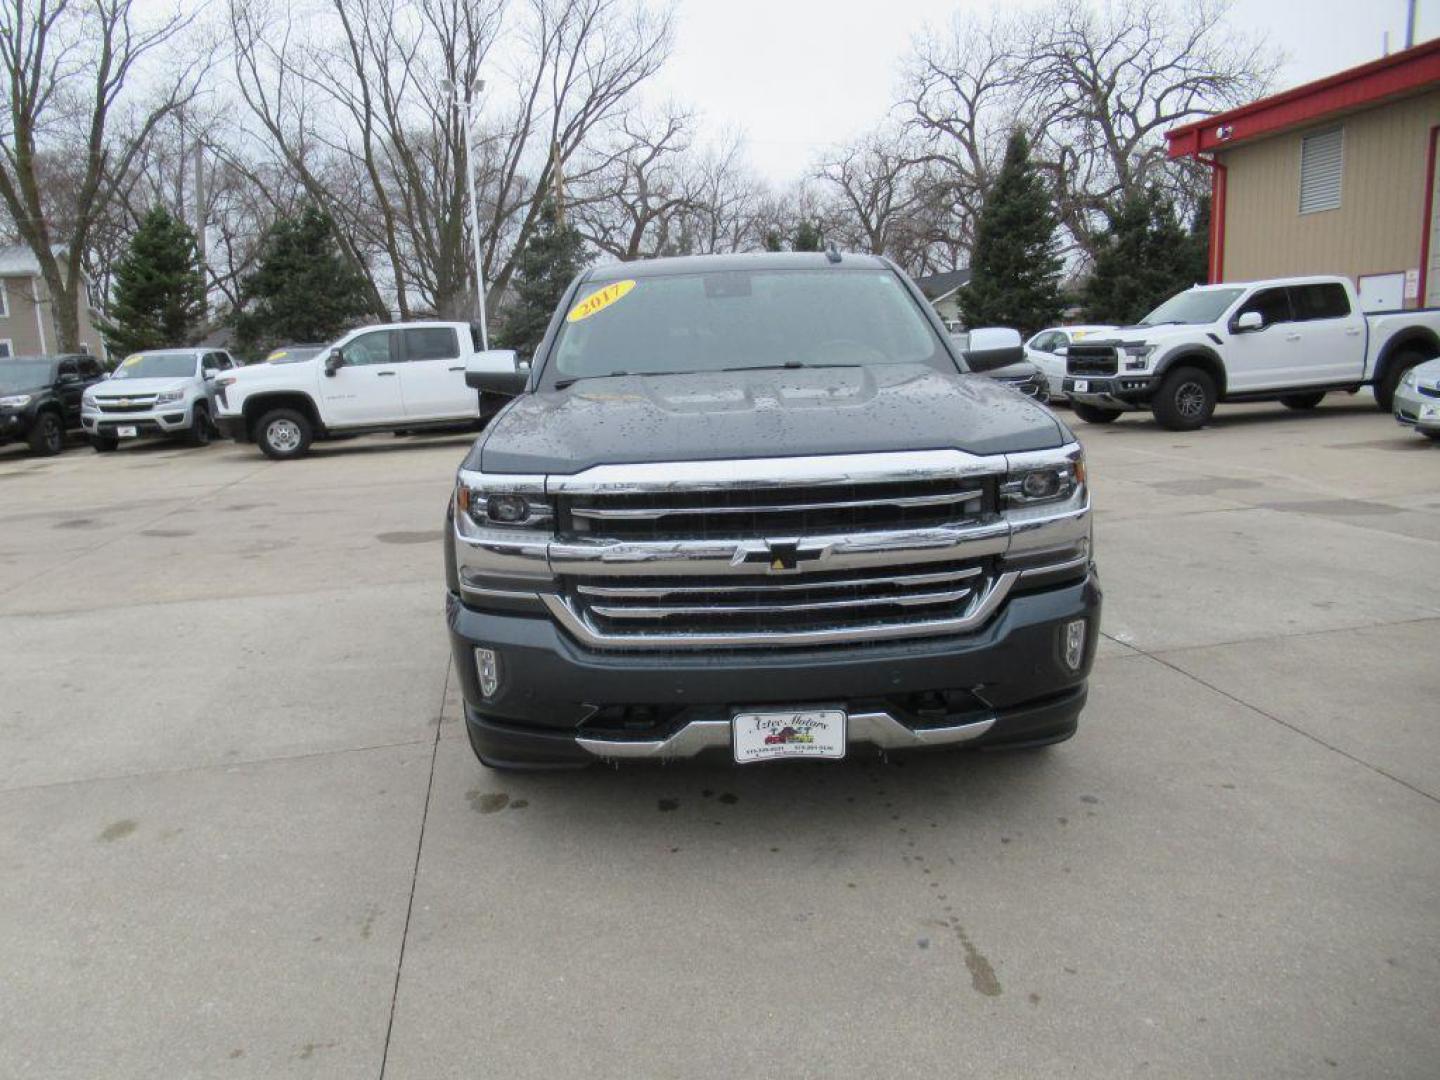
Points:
[[1297, 729], [415, 872]]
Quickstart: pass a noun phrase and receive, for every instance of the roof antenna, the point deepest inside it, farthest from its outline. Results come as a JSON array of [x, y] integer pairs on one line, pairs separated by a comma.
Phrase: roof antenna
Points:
[[832, 252]]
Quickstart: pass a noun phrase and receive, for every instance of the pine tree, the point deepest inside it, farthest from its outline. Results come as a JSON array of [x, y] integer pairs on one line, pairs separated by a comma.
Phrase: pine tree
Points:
[[808, 237], [159, 294], [304, 288], [1145, 257], [553, 255], [1015, 265]]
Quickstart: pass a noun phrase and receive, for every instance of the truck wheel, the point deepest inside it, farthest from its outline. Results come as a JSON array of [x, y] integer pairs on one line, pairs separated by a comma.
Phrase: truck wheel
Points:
[[1301, 402], [47, 437], [283, 434], [1094, 414], [1394, 372], [1185, 400], [103, 445], [201, 430]]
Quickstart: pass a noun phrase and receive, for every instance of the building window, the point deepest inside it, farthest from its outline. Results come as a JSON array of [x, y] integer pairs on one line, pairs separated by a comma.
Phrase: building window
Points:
[[4, 303], [6, 348], [1321, 163]]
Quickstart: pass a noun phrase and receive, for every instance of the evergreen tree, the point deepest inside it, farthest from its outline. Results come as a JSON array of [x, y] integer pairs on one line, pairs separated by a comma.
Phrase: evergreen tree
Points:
[[159, 294], [553, 255], [1144, 258], [1015, 265], [808, 237], [303, 289]]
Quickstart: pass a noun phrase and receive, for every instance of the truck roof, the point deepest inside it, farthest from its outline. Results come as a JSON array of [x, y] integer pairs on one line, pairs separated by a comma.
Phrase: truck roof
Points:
[[717, 264], [1308, 279]]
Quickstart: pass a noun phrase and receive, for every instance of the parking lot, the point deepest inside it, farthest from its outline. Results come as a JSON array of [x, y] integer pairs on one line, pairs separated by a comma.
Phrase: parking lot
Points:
[[242, 833]]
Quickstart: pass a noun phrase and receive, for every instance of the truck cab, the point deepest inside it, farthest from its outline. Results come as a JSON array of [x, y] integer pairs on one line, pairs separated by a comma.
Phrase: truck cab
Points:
[[1291, 340], [395, 377]]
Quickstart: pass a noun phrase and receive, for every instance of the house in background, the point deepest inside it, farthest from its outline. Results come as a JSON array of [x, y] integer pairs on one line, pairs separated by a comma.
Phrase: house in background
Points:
[[1334, 177], [943, 292], [27, 316]]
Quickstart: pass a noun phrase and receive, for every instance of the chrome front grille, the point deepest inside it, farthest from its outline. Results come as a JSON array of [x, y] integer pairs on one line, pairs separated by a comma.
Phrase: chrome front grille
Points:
[[126, 404], [812, 601], [1091, 360], [747, 512]]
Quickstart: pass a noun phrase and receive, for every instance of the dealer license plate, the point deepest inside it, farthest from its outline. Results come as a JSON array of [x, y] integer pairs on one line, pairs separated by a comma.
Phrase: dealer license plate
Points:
[[126, 432], [766, 736], [1081, 386]]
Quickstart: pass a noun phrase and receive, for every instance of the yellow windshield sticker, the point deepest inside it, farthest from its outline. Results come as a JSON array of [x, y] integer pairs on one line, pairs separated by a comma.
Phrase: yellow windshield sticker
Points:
[[599, 301], [278, 354], [131, 361]]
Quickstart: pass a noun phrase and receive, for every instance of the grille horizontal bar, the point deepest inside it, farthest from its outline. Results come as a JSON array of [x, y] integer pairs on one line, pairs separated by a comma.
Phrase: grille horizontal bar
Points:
[[709, 611], [768, 587], [653, 513]]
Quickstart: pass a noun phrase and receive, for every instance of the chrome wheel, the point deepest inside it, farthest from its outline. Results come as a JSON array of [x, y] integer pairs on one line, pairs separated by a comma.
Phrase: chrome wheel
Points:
[[283, 436]]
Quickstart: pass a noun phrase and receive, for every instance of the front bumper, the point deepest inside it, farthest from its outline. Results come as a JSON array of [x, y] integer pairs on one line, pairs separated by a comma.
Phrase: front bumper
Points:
[[153, 423], [1006, 684], [15, 425], [1124, 391], [1416, 409]]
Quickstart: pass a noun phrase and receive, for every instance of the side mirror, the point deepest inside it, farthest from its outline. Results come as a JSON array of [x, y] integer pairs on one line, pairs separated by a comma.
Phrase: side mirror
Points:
[[1062, 350], [498, 371], [1249, 322], [69, 378], [334, 362], [993, 347], [209, 373]]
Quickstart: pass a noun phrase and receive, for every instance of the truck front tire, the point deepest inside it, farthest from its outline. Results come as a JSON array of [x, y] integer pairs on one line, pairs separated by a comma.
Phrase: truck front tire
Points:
[[200, 431], [1094, 414], [1185, 400], [47, 436], [283, 434]]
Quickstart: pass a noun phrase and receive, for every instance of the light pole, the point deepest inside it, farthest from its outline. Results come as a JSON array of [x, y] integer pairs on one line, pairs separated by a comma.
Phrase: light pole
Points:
[[463, 104]]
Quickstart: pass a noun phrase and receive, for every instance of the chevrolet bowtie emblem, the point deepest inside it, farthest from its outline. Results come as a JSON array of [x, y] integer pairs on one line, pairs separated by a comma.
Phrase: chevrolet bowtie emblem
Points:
[[782, 555]]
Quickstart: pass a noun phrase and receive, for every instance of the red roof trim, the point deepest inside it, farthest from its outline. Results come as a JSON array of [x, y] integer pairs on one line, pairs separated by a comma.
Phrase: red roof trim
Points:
[[1391, 76]]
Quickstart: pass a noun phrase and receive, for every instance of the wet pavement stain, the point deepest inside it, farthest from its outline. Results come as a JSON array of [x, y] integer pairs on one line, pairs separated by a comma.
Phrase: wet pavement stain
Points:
[[1332, 507], [238, 1052], [982, 972], [487, 802], [519, 804], [119, 830], [367, 924], [729, 798], [75, 523], [667, 805], [428, 537], [1204, 485], [168, 534]]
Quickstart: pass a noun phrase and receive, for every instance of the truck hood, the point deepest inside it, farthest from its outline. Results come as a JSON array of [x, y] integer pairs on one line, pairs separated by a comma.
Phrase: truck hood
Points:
[[1151, 335], [113, 388], [739, 414]]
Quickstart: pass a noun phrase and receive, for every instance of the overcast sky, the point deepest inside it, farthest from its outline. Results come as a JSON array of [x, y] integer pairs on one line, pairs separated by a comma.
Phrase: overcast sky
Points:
[[797, 76]]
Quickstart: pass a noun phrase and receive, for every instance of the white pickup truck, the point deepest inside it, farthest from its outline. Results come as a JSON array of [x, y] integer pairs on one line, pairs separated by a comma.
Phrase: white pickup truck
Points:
[[396, 377], [1291, 340]]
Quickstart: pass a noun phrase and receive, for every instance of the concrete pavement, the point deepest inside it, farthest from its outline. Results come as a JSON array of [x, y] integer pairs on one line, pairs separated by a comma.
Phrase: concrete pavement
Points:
[[241, 832]]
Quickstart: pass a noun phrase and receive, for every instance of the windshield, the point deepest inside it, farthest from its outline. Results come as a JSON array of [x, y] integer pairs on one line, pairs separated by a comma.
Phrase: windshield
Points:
[[156, 365], [292, 354], [1193, 306], [25, 374], [735, 319]]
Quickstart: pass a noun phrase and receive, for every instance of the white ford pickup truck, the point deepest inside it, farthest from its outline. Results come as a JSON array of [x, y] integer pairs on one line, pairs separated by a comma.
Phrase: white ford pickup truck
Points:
[[1291, 340], [396, 377]]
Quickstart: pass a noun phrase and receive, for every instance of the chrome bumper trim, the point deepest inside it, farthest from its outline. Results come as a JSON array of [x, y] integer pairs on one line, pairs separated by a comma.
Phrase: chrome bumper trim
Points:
[[872, 728], [984, 606]]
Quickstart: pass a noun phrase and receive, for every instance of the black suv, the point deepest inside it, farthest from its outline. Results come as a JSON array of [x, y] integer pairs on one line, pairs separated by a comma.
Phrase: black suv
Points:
[[40, 398]]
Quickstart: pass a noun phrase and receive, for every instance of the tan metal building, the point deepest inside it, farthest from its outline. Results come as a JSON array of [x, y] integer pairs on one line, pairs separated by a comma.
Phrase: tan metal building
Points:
[[1337, 177], [27, 316]]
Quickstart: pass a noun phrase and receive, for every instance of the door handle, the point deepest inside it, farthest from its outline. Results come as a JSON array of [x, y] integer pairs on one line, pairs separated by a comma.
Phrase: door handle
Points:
[[1354, 331], [1292, 337], [457, 369], [384, 374]]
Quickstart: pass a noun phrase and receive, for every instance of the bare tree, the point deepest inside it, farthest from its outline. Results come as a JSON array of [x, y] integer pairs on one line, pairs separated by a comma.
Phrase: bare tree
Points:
[[873, 181], [356, 106], [65, 102]]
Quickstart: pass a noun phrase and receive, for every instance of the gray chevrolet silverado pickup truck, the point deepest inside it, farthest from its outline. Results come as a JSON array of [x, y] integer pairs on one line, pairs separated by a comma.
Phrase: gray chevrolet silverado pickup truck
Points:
[[755, 506]]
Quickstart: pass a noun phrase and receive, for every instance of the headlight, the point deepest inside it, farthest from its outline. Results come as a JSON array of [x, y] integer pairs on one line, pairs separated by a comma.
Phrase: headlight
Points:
[[1137, 355], [15, 401], [169, 397], [495, 502], [1044, 477]]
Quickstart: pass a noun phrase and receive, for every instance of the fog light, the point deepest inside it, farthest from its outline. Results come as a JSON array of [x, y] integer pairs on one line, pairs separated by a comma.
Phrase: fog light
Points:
[[487, 665], [1073, 644], [508, 509]]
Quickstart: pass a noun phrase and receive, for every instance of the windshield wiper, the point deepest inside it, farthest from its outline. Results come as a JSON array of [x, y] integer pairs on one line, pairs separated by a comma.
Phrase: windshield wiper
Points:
[[788, 365], [561, 384]]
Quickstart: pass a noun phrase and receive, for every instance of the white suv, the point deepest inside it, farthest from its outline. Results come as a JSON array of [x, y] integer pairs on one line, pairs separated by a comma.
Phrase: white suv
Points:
[[396, 377]]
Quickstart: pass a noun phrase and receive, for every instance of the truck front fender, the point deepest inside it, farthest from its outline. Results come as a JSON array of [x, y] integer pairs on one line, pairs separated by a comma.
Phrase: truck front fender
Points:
[[1193, 354]]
